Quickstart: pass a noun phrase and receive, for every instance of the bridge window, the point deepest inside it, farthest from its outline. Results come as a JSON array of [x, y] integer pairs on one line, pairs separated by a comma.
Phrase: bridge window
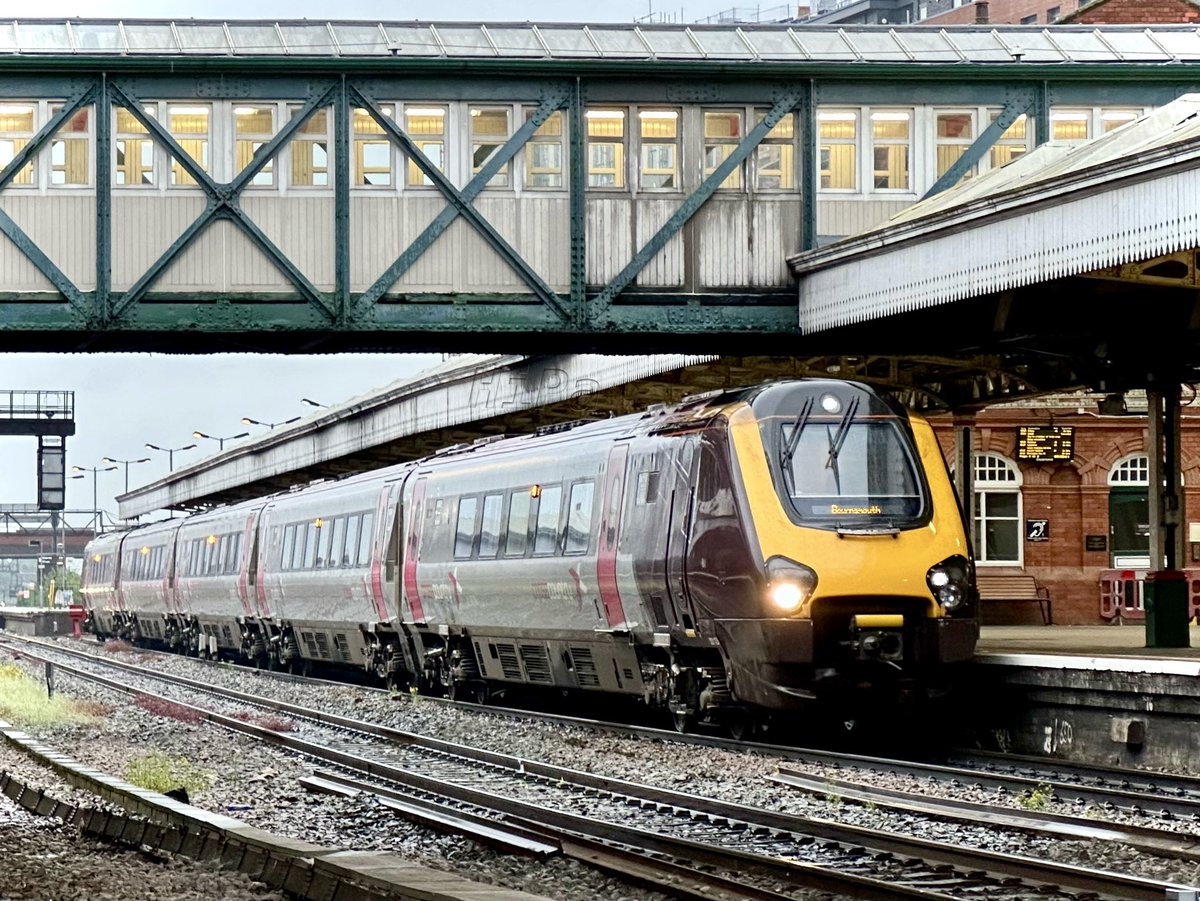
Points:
[[253, 127], [722, 133], [1112, 119], [489, 132], [606, 148], [838, 138], [372, 151], [426, 126], [310, 151], [997, 510], [189, 127], [544, 153], [1012, 144], [134, 149], [69, 151], [955, 133], [659, 133], [775, 157], [891, 134], [1070, 125], [16, 130]]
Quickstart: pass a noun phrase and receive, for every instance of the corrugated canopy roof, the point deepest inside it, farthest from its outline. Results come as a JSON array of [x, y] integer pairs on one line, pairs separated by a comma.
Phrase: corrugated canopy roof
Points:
[[1131, 195], [555, 41]]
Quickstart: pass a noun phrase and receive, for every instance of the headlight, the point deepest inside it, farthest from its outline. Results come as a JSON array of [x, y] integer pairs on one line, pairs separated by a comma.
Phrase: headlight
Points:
[[789, 584], [950, 582]]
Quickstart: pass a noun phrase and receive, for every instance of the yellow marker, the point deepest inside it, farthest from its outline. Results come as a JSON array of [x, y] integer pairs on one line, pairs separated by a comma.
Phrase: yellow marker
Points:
[[878, 621]]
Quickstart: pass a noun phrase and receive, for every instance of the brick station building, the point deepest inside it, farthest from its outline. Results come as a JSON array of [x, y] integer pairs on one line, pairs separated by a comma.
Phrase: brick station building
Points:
[[1079, 524], [1061, 12]]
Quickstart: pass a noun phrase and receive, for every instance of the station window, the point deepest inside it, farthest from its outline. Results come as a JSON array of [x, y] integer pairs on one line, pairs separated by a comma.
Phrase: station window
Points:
[[997, 510], [1070, 125], [579, 518], [253, 127], [489, 132], [189, 127], [372, 151], [310, 151], [891, 133], [544, 153], [464, 532], [774, 158], [16, 131], [426, 126], [722, 134], [838, 139], [1010, 145], [70, 149], [545, 540], [955, 133], [134, 149], [606, 148], [659, 134], [518, 524]]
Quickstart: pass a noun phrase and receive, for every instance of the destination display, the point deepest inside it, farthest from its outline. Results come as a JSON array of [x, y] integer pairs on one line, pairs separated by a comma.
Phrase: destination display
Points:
[[1046, 443]]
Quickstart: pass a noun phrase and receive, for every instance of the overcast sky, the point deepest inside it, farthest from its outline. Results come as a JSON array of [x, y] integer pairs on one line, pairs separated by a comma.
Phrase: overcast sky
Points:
[[123, 401]]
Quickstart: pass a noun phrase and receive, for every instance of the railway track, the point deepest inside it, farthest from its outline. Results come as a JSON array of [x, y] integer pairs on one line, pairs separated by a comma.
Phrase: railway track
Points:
[[677, 838]]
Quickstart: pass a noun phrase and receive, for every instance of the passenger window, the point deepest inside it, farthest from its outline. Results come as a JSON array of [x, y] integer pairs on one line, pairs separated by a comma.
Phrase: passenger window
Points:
[[298, 548], [579, 518], [289, 539], [338, 543], [518, 524], [546, 539], [489, 529], [464, 532], [352, 525], [365, 534], [311, 536], [324, 537], [647, 488]]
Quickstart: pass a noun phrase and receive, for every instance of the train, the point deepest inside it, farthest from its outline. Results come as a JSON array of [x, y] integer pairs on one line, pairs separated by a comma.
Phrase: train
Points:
[[726, 559]]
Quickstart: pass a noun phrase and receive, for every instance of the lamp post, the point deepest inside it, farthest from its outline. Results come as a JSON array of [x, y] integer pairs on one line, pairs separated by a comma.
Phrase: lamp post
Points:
[[221, 441], [312, 403], [95, 471], [126, 462], [246, 420], [170, 452]]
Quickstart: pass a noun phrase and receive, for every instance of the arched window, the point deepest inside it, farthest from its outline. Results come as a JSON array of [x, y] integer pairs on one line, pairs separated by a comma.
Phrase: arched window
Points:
[[997, 511], [1131, 471]]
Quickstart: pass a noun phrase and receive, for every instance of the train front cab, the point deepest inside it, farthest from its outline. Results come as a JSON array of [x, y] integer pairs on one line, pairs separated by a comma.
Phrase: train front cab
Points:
[[861, 567]]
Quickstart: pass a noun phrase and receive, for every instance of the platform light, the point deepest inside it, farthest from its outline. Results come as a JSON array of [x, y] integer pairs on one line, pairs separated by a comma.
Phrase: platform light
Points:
[[604, 114], [658, 114], [425, 111], [188, 110], [837, 117], [890, 117]]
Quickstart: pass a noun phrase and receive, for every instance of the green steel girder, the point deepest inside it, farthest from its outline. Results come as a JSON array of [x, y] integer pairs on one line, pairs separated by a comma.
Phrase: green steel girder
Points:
[[460, 203], [1018, 104]]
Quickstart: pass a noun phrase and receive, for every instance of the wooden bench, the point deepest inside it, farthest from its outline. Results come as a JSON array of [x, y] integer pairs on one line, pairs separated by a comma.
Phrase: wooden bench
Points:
[[1015, 587]]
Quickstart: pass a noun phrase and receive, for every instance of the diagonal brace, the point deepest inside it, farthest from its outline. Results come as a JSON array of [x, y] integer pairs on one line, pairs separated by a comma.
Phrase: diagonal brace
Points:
[[460, 203], [691, 205], [222, 201], [987, 138]]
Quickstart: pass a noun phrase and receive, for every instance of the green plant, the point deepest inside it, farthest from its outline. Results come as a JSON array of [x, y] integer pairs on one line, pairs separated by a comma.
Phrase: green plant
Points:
[[23, 702], [1037, 798], [160, 773]]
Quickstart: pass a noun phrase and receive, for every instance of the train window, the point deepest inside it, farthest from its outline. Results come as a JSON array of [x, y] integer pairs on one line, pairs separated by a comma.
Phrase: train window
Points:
[[891, 132], [464, 532], [518, 524], [310, 151], [774, 158], [544, 154], [311, 536], [426, 126], [69, 161], [489, 132], [234, 552], [16, 130], [579, 517], [605, 148], [722, 133], [337, 546], [352, 524], [837, 138], [189, 127], [289, 540], [647, 487], [134, 149], [489, 527], [254, 126], [324, 536], [298, 548], [372, 150], [365, 534], [545, 540], [659, 133]]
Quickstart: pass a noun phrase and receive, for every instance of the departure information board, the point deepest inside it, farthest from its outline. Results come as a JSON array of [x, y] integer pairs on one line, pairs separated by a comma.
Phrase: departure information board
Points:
[[1046, 443]]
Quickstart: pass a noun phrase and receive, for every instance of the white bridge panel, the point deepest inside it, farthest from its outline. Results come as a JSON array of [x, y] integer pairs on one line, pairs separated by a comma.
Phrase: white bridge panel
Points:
[[63, 226]]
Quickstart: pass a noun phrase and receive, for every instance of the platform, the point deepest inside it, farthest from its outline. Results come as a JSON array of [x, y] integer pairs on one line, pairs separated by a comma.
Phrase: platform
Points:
[[1088, 693]]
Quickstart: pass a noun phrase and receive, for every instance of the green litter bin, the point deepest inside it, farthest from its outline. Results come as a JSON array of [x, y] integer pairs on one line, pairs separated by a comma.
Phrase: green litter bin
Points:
[[1167, 609]]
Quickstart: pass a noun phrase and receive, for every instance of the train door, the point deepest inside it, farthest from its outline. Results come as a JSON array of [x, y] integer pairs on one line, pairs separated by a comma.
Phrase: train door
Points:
[[393, 547], [610, 534], [681, 489], [412, 546]]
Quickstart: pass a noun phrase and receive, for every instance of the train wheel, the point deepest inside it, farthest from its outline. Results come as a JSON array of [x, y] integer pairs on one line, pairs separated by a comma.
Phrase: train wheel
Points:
[[683, 720], [742, 724]]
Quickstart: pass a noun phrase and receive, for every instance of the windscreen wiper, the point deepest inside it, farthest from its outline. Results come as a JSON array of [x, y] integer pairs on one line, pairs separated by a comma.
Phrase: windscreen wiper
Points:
[[789, 449], [836, 442]]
